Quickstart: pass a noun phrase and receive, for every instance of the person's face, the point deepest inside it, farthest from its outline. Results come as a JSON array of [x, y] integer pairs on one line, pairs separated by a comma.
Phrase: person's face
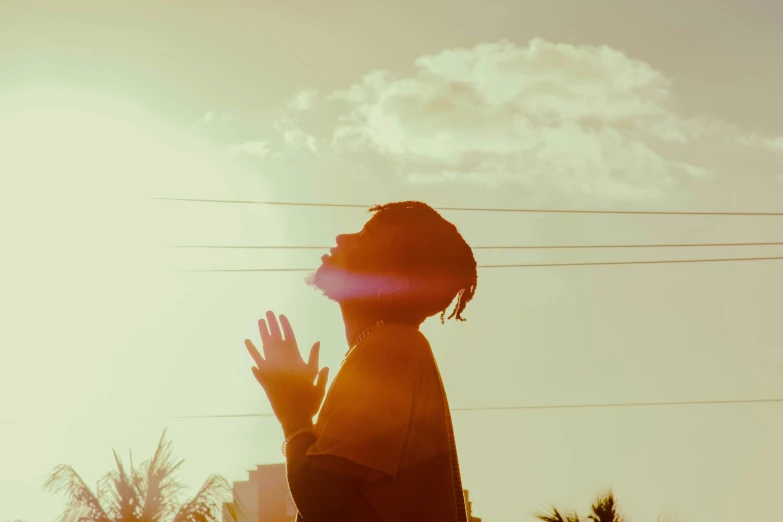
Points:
[[346, 272], [345, 249], [364, 267]]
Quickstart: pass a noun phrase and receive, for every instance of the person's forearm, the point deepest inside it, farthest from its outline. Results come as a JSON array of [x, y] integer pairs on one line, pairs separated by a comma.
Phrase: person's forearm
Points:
[[295, 453], [296, 450], [319, 495]]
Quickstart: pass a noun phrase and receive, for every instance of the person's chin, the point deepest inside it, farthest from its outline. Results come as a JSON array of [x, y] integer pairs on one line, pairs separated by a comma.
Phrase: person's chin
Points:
[[326, 278]]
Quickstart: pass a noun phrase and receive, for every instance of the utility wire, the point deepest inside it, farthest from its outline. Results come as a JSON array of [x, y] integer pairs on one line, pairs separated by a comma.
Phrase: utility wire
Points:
[[538, 407], [511, 247], [533, 265], [478, 209], [522, 408]]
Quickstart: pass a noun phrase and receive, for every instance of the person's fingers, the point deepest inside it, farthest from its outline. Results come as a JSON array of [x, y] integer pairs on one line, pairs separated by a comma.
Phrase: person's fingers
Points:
[[264, 331], [288, 332], [312, 361], [320, 384], [274, 328], [254, 353], [259, 375], [288, 345]]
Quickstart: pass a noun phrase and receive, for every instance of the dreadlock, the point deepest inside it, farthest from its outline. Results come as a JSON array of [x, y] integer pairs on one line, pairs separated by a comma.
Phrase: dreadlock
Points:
[[442, 244]]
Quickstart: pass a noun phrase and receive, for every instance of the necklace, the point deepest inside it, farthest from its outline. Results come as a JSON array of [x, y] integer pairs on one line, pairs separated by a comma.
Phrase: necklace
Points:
[[362, 336]]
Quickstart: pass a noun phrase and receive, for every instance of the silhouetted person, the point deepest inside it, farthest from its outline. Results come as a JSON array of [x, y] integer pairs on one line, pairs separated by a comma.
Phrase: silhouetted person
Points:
[[383, 446]]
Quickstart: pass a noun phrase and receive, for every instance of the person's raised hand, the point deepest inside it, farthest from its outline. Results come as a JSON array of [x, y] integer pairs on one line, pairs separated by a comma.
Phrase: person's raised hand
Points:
[[295, 389]]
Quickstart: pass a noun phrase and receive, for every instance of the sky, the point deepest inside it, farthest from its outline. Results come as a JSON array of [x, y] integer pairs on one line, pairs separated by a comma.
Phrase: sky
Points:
[[555, 104]]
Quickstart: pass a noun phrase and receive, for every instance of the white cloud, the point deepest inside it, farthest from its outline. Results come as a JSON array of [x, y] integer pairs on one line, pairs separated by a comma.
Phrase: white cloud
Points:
[[294, 136], [582, 119], [774, 144], [212, 116], [302, 101], [299, 138], [258, 149]]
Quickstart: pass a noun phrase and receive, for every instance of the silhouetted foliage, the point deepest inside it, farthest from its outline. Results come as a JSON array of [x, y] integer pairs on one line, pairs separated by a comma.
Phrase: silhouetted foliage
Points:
[[555, 516], [149, 493], [604, 509]]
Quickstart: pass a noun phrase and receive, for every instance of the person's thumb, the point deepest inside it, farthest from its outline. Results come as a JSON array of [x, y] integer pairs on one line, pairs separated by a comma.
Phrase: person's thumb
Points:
[[320, 383], [260, 376], [312, 361]]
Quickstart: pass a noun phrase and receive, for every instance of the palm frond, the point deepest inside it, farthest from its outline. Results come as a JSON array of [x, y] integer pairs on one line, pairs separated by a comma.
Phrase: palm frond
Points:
[[158, 481], [555, 516], [149, 493], [234, 511], [207, 504], [668, 517], [120, 493], [604, 509], [80, 500]]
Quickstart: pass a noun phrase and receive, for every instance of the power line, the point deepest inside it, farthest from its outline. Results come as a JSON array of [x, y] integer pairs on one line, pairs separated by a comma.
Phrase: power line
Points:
[[609, 263], [522, 408], [533, 265], [479, 209], [511, 247], [538, 407]]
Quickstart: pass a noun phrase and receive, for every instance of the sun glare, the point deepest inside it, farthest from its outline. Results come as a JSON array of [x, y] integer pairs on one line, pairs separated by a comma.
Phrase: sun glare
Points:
[[88, 252]]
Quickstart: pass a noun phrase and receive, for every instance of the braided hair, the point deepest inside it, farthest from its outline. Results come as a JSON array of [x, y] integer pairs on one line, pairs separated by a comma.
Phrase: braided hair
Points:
[[435, 251]]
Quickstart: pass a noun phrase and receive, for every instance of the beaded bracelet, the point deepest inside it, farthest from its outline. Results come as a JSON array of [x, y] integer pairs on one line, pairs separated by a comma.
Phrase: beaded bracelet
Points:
[[294, 435]]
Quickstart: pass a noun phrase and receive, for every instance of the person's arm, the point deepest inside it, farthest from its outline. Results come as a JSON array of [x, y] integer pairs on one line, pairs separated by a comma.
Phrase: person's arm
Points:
[[361, 433], [322, 486]]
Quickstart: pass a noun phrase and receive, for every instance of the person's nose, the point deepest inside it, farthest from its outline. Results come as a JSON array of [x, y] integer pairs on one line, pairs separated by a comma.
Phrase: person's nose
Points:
[[343, 239]]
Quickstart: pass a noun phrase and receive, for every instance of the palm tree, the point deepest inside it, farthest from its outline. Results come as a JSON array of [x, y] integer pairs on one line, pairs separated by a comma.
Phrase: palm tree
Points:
[[555, 516], [604, 509], [149, 493]]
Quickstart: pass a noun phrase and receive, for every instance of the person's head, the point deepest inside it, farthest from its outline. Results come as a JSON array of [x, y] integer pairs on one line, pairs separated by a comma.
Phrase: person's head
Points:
[[407, 263]]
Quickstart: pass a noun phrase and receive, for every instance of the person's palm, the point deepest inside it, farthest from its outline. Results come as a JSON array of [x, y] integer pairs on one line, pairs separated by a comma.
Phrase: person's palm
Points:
[[295, 389]]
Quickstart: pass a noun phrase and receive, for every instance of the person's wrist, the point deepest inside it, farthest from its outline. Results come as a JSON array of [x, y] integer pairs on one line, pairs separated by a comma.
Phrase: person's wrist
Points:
[[294, 423]]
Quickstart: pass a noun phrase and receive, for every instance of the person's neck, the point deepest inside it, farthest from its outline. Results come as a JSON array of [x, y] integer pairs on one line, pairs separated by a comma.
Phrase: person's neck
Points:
[[358, 318]]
